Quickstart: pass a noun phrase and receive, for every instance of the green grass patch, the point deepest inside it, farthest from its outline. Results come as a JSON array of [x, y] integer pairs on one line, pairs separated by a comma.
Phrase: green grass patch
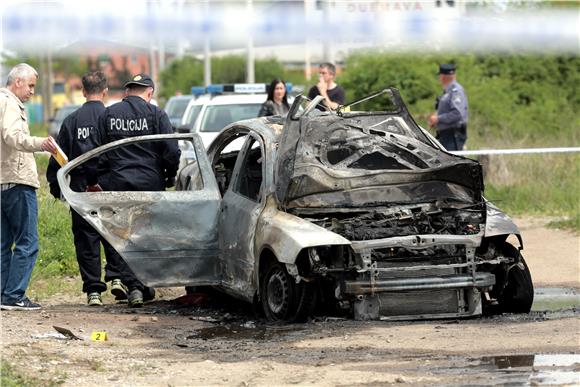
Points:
[[541, 184], [38, 130], [56, 256], [13, 378], [571, 223]]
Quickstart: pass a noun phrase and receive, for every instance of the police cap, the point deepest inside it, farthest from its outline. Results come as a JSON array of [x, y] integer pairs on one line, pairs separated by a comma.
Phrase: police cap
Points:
[[140, 80], [447, 68]]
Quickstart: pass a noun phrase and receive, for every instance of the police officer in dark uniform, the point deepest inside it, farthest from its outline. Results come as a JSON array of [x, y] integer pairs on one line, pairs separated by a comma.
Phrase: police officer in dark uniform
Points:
[[148, 166], [76, 137], [451, 117]]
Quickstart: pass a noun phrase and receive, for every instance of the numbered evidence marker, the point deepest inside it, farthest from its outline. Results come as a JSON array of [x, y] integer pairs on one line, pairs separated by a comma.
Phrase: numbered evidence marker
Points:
[[99, 336]]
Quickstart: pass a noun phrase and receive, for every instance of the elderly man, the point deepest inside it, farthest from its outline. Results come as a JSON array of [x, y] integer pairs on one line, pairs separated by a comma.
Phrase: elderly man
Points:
[[18, 182], [451, 117]]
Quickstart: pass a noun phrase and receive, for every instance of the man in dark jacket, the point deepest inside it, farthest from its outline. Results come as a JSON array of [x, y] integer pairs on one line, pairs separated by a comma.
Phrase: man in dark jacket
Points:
[[149, 166], [76, 137], [326, 87]]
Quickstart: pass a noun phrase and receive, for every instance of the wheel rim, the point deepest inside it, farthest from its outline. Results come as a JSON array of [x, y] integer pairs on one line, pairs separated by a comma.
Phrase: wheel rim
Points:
[[278, 293]]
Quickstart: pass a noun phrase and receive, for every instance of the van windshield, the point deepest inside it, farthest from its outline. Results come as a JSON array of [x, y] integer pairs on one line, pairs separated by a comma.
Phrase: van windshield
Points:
[[176, 108], [192, 115], [217, 117]]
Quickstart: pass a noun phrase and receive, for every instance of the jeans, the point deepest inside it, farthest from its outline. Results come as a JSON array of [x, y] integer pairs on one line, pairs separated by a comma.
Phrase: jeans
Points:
[[19, 241]]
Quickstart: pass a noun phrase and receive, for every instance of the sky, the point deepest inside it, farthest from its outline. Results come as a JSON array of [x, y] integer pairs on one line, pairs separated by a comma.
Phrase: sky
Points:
[[179, 25]]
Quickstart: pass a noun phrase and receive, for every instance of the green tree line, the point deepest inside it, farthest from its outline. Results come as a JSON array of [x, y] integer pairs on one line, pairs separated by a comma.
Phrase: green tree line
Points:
[[526, 99]]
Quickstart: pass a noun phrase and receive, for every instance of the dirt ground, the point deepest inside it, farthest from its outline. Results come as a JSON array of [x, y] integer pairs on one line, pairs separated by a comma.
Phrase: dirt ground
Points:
[[165, 344]]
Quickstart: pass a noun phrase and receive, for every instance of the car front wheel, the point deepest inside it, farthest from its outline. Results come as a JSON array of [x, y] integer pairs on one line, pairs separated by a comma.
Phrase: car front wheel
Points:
[[517, 295], [284, 300]]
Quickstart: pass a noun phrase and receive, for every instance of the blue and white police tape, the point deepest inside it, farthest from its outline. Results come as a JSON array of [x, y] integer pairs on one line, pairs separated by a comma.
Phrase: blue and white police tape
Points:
[[481, 152]]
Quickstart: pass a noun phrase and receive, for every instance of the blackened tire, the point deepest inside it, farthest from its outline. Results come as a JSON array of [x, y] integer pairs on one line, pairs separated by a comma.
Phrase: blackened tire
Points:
[[518, 292], [284, 300], [148, 293]]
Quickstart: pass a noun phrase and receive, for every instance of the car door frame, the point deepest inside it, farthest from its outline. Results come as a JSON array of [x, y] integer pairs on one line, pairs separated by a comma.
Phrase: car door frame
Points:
[[238, 219], [149, 229]]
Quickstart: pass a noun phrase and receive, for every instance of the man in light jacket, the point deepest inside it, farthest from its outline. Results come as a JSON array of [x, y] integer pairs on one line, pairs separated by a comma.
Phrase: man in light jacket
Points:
[[18, 183]]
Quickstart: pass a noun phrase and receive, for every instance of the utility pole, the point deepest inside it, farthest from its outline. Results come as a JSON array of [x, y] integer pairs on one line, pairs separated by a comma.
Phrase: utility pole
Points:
[[307, 52], [206, 62], [153, 68], [250, 76], [326, 43], [206, 50], [46, 85]]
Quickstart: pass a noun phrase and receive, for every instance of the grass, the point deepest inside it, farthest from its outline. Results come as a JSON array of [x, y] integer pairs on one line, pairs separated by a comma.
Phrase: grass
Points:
[[56, 256], [12, 378], [535, 184], [39, 130]]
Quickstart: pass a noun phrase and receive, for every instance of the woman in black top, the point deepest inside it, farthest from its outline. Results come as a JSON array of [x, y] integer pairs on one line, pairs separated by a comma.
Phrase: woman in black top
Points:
[[277, 103]]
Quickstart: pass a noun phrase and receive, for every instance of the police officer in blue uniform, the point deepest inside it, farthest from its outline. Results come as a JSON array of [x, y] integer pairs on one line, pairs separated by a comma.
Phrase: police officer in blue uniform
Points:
[[150, 166], [451, 117], [76, 137]]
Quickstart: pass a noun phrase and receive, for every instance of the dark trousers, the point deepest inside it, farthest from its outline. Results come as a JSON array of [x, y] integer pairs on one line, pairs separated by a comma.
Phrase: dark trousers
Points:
[[452, 139], [152, 184], [88, 249]]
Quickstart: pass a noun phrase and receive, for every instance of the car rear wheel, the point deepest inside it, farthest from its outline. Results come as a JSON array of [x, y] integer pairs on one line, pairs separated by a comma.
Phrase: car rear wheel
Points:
[[284, 300], [518, 292]]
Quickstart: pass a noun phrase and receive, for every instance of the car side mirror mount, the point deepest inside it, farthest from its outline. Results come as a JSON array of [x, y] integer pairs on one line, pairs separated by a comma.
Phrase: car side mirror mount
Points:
[[183, 129]]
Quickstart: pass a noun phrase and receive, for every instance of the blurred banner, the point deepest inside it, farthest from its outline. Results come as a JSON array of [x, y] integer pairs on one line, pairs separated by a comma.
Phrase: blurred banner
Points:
[[426, 25]]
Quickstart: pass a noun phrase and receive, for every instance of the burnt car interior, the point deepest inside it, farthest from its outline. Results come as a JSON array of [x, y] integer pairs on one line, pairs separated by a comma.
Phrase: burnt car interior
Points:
[[223, 169], [223, 165], [249, 181]]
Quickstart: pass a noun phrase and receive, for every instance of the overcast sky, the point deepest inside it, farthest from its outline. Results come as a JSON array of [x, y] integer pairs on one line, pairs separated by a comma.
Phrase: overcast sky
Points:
[[420, 25]]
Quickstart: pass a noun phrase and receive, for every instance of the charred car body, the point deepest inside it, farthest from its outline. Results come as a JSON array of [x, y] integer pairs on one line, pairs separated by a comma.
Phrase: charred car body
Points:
[[357, 211]]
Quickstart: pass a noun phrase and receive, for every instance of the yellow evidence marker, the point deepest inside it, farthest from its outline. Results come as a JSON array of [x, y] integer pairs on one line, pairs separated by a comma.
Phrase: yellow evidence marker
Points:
[[99, 336]]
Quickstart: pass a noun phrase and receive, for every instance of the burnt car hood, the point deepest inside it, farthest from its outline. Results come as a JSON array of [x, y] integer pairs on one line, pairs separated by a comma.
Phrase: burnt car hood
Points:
[[360, 158]]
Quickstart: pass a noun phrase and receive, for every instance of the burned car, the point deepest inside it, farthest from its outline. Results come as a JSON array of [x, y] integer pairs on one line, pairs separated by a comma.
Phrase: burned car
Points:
[[358, 212]]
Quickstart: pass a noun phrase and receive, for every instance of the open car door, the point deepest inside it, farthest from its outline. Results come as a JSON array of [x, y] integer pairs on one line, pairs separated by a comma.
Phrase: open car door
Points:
[[168, 238]]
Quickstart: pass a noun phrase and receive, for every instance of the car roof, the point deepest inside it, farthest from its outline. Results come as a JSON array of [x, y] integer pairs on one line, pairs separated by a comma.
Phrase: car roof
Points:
[[270, 128], [201, 100]]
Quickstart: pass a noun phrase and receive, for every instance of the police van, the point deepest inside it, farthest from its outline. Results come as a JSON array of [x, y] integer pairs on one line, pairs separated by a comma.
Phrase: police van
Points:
[[176, 107], [217, 106]]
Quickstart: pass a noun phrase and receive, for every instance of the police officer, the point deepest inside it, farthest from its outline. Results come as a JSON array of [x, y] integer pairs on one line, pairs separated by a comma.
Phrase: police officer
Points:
[[77, 136], [150, 166], [451, 117]]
